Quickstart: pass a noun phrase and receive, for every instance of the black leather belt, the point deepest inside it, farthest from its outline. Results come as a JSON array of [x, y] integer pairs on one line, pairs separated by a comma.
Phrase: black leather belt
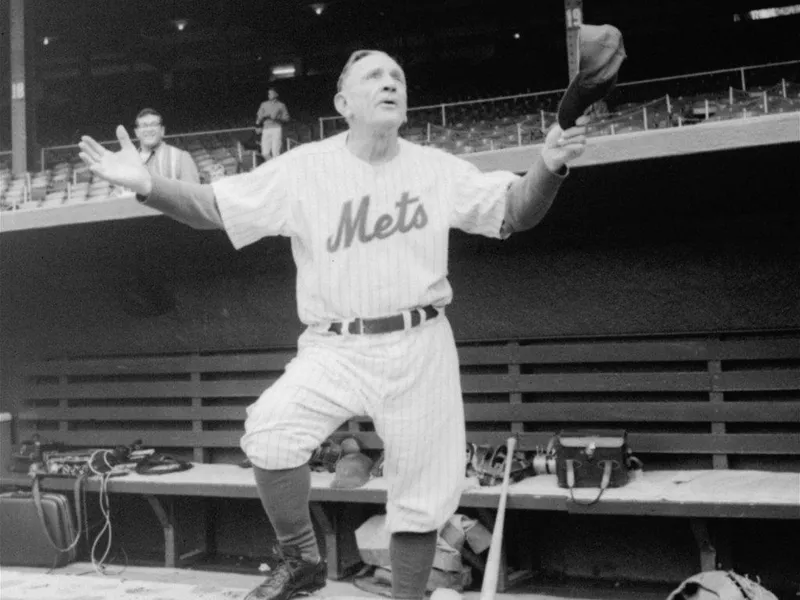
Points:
[[384, 324]]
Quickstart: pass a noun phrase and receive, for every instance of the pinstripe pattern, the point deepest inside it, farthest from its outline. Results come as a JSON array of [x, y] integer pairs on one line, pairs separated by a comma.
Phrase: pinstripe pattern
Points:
[[407, 381], [368, 241], [302, 194]]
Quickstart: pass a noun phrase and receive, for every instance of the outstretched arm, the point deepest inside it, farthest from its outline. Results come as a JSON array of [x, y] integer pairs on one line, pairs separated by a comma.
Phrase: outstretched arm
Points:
[[530, 197], [190, 203]]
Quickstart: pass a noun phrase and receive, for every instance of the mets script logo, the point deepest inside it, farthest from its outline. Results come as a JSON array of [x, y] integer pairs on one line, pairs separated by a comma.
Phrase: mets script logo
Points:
[[385, 225]]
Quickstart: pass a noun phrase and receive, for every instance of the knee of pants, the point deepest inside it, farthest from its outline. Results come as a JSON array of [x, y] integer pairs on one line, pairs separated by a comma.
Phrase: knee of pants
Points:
[[273, 448], [419, 515]]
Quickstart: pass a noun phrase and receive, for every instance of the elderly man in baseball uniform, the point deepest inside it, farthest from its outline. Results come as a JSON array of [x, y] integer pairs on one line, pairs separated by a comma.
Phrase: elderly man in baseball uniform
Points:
[[368, 215]]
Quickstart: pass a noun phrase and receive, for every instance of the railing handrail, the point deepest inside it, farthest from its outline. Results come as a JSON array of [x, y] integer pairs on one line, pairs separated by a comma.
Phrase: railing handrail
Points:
[[561, 90], [170, 136]]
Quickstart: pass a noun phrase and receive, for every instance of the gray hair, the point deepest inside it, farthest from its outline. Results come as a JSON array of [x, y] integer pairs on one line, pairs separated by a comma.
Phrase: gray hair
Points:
[[354, 58]]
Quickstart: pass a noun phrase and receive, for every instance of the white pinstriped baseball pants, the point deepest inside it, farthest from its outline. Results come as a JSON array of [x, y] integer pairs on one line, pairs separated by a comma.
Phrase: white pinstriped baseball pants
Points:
[[406, 381]]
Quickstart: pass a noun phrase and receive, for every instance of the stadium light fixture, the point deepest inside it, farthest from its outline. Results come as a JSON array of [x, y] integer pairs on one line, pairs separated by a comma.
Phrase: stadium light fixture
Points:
[[768, 13], [283, 71]]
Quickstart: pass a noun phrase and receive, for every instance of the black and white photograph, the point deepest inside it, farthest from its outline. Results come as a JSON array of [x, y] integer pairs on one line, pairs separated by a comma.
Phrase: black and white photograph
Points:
[[406, 300]]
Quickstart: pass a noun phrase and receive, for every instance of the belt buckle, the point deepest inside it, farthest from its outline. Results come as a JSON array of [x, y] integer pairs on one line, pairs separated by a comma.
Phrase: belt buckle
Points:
[[356, 326]]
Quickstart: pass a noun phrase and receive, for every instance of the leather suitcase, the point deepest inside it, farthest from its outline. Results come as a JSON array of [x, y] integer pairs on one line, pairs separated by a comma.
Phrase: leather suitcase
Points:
[[24, 541]]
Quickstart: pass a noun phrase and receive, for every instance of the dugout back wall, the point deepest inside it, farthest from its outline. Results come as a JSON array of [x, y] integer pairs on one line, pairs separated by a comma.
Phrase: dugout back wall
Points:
[[696, 243]]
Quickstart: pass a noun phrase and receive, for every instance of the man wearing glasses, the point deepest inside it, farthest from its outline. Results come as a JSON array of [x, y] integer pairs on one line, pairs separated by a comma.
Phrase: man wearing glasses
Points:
[[159, 157]]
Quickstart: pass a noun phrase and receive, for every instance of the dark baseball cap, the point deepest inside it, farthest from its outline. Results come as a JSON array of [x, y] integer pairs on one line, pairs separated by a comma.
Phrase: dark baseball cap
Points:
[[601, 53], [352, 471]]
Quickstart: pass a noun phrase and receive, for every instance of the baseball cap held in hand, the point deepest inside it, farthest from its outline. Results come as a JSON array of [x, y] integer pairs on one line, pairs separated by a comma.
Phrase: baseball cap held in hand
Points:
[[601, 53]]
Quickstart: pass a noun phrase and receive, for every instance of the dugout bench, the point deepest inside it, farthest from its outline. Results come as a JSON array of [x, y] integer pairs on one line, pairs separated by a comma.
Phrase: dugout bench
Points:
[[714, 417]]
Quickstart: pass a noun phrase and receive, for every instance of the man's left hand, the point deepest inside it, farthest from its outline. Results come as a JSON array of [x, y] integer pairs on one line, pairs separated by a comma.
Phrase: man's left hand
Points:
[[561, 147]]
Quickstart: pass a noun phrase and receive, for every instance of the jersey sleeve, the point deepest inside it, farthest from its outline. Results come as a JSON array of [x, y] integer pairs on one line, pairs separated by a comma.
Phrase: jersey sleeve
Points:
[[254, 205], [478, 200]]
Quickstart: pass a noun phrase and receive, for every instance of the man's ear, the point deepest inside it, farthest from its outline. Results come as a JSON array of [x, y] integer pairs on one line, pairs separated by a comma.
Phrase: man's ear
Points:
[[340, 102]]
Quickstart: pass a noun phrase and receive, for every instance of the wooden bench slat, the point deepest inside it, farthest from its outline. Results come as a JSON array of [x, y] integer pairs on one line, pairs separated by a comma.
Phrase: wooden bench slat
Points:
[[587, 382], [741, 412], [159, 389], [248, 362], [136, 413], [726, 443], [244, 362], [603, 352], [109, 366], [89, 438], [732, 412], [762, 380], [499, 354]]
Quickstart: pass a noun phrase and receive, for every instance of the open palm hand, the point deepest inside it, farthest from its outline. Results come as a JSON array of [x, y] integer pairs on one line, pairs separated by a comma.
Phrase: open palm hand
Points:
[[123, 168]]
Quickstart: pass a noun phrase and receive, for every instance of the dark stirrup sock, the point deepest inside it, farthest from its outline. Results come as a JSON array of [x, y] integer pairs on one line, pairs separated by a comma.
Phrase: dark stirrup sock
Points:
[[411, 555], [284, 494]]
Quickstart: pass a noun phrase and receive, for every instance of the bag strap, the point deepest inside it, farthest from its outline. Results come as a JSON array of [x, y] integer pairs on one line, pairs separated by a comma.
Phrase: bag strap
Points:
[[603, 484], [37, 500]]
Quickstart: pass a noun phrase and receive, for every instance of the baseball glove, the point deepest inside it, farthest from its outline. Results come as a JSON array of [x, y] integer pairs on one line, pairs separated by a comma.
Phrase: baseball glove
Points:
[[488, 464], [720, 585], [325, 457]]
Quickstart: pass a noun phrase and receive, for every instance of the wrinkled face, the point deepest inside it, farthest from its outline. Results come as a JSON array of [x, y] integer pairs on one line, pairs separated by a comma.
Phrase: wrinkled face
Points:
[[149, 130], [373, 93]]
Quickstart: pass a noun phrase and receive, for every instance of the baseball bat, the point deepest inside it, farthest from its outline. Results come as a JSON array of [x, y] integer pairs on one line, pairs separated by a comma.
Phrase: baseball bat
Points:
[[492, 570]]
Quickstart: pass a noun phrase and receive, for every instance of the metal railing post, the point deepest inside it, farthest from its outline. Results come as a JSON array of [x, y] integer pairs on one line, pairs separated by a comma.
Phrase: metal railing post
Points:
[[444, 116]]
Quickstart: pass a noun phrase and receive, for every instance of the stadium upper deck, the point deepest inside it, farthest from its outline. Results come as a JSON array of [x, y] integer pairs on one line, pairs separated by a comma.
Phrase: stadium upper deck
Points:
[[496, 133]]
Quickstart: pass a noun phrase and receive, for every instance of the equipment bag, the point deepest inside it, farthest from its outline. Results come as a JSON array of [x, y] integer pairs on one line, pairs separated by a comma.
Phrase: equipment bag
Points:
[[593, 458]]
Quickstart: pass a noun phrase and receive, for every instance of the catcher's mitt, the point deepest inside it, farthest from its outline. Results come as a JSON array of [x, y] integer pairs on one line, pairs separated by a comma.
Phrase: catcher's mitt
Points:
[[720, 585]]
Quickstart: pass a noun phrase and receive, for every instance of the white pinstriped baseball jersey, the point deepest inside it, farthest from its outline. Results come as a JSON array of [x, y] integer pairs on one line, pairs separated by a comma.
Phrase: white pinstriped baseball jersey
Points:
[[367, 240]]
